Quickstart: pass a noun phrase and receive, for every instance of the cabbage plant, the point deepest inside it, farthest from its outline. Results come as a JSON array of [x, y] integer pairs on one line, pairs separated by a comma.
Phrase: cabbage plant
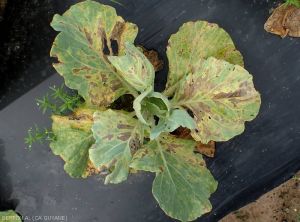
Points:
[[208, 91]]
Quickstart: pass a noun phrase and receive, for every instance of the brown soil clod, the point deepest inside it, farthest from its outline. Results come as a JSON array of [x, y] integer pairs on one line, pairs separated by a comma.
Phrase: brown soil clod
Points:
[[280, 204]]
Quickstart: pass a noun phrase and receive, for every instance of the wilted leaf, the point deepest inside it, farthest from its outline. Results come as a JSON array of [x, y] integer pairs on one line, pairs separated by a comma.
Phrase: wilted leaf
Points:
[[205, 149], [195, 41], [73, 139], [221, 96], [134, 67], [285, 20], [89, 31], [183, 133], [177, 118], [153, 57], [92, 170], [182, 184], [117, 135], [9, 216]]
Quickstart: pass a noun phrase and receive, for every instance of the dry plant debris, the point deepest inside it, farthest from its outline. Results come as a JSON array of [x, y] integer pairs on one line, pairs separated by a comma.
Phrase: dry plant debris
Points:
[[284, 21]]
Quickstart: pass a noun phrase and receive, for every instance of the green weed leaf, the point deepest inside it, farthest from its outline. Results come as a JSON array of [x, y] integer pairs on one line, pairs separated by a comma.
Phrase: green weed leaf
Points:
[[36, 134], [59, 101], [293, 2]]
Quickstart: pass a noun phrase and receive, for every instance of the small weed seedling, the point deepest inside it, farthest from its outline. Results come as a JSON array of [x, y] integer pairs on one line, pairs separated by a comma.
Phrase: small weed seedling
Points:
[[293, 2]]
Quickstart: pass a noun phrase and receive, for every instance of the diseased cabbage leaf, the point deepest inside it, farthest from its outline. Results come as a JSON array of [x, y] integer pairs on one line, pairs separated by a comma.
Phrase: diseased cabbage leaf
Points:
[[177, 118], [221, 96], [148, 104], [182, 184], [193, 42], [117, 135], [89, 31], [73, 139], [134, 67]]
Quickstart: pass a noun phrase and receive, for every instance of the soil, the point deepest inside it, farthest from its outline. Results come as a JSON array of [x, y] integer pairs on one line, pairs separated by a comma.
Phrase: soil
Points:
[[282, 204]]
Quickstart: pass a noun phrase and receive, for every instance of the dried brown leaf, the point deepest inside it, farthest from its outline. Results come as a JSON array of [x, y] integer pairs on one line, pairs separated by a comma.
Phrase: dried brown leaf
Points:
[[91, 169], [205, 149], [153, 57], [285, 20]]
